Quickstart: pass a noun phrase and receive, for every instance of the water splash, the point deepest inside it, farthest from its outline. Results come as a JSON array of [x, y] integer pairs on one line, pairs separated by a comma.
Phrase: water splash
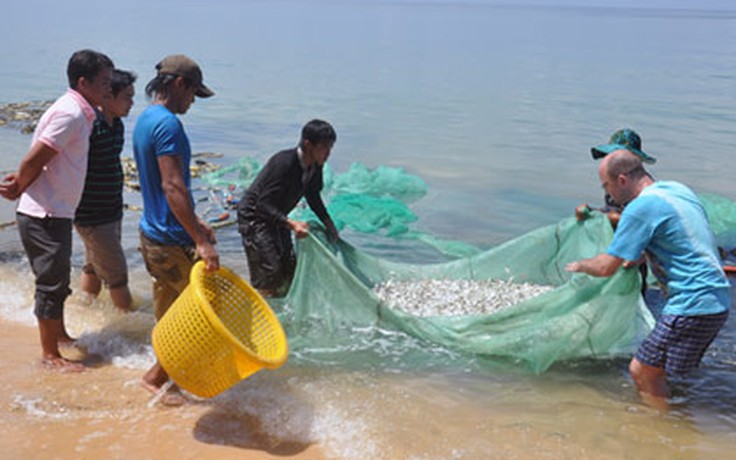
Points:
[[16, 293]]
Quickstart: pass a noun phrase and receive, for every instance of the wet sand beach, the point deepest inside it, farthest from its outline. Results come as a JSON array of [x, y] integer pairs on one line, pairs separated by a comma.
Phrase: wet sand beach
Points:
[[104, 413], [308, 414]]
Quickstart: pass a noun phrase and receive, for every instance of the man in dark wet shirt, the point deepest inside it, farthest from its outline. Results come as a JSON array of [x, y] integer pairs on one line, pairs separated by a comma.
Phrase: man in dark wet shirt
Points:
[[263, 211]]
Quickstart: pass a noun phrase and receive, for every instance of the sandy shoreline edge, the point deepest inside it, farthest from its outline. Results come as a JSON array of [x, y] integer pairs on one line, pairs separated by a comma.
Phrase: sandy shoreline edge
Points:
[[103, 413]]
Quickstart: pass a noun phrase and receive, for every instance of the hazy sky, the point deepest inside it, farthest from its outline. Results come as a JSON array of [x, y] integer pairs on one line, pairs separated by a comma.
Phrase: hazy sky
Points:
[[688, 4], [678, 4]]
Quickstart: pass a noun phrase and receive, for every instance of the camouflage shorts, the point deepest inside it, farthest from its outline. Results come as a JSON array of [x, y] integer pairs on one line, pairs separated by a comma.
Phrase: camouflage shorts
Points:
[[169, 266]]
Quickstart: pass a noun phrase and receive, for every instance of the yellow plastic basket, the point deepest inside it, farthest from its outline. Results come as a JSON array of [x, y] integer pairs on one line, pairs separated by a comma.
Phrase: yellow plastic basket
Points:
[[217, 332]]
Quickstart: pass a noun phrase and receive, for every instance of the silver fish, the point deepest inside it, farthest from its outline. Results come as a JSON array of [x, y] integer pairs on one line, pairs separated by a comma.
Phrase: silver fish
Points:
[[443, 297]]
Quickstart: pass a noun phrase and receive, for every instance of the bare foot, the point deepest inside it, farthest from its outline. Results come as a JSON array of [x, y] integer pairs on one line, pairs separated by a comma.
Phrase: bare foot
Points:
[[172, 396], [62, 365], [127, 309], [87, 299], [659, 403], [67, 341]]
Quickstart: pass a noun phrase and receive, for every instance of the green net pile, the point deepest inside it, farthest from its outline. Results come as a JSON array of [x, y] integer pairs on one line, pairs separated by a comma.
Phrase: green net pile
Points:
[[366, 200]]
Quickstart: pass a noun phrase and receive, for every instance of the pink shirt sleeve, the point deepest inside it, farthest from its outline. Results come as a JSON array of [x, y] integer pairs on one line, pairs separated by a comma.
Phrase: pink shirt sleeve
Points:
[[65, 127]]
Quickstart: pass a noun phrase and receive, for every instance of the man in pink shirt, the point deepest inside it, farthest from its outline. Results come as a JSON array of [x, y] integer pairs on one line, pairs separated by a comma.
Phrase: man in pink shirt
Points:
[[49, 183]]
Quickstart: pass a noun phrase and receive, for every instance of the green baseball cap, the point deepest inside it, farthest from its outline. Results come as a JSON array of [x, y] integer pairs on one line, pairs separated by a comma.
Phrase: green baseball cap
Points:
[[623, 139]]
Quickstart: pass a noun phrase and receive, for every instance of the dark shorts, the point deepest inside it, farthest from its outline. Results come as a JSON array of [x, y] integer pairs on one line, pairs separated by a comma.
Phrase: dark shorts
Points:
[[48, 245], [271, 257], [678, 343]]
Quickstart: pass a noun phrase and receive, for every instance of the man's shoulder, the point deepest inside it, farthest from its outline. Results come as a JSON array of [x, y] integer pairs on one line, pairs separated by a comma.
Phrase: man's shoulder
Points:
[[645, 203], [667, 192], [668, 186], [65, 106], [285, 154], [69, 117], [154, 108], [283, 158], [156, 117], [156, 113]]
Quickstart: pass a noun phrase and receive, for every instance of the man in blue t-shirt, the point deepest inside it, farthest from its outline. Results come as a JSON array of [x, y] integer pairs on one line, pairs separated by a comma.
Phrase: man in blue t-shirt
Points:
[[665, 221], [626, 139], [172, 237]]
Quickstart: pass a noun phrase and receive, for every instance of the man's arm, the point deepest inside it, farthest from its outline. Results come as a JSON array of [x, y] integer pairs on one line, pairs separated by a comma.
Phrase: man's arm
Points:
[[602, 265], [584, 211], [314, 200], [15, 184], [300, 229], [177, 195], [317, 205]]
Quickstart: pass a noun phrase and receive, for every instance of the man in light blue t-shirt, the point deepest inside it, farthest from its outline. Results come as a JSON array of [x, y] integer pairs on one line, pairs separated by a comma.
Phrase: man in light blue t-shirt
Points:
[[665, 222], [172, 236]]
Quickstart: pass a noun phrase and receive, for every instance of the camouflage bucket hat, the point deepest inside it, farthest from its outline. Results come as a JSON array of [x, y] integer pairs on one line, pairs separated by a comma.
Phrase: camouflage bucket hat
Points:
[[623, 139]]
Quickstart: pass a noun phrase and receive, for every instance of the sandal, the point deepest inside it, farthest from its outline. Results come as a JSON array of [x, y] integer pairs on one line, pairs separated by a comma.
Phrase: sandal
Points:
[[171, 396]]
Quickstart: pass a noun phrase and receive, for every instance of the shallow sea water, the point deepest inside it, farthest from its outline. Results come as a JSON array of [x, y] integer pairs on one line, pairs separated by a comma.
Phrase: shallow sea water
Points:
[[496, 109], [365, 402]]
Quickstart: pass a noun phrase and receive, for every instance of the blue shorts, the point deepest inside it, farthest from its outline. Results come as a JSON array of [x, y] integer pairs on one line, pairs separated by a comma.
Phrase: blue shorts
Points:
[[678, 343]]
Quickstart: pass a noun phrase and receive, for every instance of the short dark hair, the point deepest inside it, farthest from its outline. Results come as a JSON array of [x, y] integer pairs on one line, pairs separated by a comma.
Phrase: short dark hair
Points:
[[121, 79], [87, 64], [318, 132]]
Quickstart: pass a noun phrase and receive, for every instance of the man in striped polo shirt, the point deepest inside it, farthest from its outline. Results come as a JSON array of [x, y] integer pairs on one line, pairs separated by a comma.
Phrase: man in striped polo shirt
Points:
[[100, 212]]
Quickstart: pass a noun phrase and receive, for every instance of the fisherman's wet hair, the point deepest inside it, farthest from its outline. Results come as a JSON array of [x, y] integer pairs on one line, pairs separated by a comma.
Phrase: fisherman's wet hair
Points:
[[318, 132]]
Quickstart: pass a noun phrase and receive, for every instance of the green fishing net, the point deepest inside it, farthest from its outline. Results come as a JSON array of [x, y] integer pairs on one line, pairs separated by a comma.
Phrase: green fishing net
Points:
[[721, 213], [582, 317], [366, 200], [332, 295], [239, 175]]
